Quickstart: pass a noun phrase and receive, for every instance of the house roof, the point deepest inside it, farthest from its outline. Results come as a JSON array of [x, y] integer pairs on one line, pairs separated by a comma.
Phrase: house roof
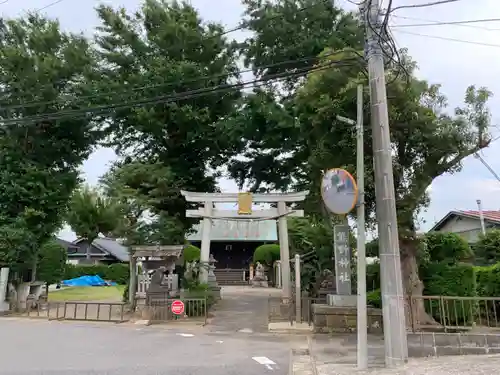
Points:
[[488, 215], [65, 243], [111, 247]]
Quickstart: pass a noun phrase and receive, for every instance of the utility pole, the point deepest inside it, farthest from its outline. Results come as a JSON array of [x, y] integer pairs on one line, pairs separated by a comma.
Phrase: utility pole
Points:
[[362, 324], [393, 304]]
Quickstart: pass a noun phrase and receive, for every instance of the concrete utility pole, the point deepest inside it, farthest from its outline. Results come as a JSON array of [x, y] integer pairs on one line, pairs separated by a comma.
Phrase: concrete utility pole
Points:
[[393, 304], [362, 324]]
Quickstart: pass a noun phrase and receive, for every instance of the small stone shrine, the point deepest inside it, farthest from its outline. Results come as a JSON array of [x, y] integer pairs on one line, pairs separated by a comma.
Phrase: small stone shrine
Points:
[[159, 263], [260, 278]]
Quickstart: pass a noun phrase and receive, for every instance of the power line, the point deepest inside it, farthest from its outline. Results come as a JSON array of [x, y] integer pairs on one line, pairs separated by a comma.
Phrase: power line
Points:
[[49, 5], [442, 2], [34, 103], [450, 39], [465, 23], [485, 163], [454, 23], [191, 94], [4, 2]]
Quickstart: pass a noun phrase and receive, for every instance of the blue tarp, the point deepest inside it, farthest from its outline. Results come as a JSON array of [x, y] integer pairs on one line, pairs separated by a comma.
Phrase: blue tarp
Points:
[[87, 281]]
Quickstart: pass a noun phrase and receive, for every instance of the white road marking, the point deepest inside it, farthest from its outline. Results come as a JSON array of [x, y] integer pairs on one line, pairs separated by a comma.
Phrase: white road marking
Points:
[[265, 362], [246, 330], [219, 341], [185, 334]]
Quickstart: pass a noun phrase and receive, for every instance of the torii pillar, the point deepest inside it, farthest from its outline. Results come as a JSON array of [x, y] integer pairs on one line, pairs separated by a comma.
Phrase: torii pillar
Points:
[[208, 213]]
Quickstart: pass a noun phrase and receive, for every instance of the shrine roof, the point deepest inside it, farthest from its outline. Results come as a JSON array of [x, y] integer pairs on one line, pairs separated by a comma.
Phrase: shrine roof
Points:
[[234, 231]]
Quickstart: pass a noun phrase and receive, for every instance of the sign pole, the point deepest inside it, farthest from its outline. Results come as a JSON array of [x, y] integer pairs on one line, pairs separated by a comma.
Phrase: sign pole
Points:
[[362, 326]]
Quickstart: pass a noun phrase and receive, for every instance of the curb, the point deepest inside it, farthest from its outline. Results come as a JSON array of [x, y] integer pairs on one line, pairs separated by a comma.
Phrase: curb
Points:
[[302, 361]]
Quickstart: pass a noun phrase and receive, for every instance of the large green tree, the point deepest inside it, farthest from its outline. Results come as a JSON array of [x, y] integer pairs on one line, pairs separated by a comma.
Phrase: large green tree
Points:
[[167, 49], [42, 71], [144, 190], [427, 140]]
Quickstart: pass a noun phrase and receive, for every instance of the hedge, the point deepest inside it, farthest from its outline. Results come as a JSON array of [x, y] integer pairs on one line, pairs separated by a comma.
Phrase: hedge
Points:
[[457, 280], [117, 272], [488, 285], [439, 280]]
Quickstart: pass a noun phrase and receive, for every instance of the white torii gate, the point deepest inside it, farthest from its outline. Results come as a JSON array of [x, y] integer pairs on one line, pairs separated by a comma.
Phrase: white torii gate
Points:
[[209, 213]]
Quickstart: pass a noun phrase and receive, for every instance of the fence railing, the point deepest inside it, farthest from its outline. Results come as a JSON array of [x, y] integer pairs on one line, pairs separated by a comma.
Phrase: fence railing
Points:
[[448, 313], [76, 310], [455, 313], [160, 310]]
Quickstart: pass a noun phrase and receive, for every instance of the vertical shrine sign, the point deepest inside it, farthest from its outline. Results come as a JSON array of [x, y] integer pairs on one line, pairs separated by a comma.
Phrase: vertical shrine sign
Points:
[[342, 259]]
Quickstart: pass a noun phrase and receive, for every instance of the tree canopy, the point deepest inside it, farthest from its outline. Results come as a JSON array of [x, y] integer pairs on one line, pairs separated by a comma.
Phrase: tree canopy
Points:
[[43, 70]]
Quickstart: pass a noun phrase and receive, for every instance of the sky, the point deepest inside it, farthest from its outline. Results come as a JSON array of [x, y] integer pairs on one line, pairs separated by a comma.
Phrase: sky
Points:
[[454, 56]]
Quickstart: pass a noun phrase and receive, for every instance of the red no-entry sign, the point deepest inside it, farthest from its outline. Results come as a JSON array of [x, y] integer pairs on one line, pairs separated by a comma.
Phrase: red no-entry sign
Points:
[[177, 307]]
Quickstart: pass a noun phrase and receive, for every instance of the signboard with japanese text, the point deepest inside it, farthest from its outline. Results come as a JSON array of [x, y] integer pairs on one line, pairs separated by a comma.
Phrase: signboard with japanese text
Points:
[[342, 260]]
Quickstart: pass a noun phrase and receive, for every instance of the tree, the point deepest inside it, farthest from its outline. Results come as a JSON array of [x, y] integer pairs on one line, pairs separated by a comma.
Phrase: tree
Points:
[[267, 254], [448, 248], [42, 72], [51, 263], [147, 192], [90, 214], [426, 139], [487, 249], [166, 49]]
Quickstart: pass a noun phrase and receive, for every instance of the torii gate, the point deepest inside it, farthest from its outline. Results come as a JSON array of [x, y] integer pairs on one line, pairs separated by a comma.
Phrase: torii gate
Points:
[[244, 212]]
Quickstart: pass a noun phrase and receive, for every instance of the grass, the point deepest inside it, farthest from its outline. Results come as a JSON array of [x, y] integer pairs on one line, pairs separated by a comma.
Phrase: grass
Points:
[[88, 293]]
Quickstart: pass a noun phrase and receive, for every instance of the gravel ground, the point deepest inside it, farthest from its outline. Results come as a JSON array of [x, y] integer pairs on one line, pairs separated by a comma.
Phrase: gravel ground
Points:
[[453, 365]]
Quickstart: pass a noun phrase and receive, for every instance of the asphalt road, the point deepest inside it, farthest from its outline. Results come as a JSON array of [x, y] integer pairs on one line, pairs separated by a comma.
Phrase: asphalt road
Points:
[[29, 347]]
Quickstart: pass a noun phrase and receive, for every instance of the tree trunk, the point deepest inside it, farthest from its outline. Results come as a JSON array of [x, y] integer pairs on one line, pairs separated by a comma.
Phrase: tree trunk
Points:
[[413, 287]]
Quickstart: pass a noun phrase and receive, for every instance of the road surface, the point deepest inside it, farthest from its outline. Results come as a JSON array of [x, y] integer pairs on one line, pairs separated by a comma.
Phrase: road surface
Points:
[[31, 347]]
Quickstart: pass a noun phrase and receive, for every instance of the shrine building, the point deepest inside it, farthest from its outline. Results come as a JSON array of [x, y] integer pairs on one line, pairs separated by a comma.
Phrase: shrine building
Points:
[[233, 242]]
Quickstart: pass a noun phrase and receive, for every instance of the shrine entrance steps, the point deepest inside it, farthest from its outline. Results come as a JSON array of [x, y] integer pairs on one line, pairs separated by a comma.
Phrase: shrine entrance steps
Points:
[[242, 309], [231, 276]]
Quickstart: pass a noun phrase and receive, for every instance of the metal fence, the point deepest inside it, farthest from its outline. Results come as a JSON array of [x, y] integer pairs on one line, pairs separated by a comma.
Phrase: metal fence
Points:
[[160, 310], [455, 313], [76, 310]]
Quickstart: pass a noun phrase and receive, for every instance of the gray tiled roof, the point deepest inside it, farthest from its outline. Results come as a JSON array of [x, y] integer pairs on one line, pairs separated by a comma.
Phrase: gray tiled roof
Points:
[[119, 251], [66, 244]]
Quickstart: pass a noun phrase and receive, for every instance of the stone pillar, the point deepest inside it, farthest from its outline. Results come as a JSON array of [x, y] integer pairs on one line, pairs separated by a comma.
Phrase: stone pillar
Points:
[[284, 250], [4, 279], [205, 240], [132, 286], [251, 272], [298, 292], [277, 274]]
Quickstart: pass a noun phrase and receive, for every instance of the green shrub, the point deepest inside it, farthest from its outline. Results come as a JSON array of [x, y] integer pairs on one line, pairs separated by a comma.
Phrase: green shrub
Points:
[[447, 247], [267, 254], [459, 280], [374, 299], [373, 276], [118, 272], [125, 293], [191, 253], [488, 285]]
